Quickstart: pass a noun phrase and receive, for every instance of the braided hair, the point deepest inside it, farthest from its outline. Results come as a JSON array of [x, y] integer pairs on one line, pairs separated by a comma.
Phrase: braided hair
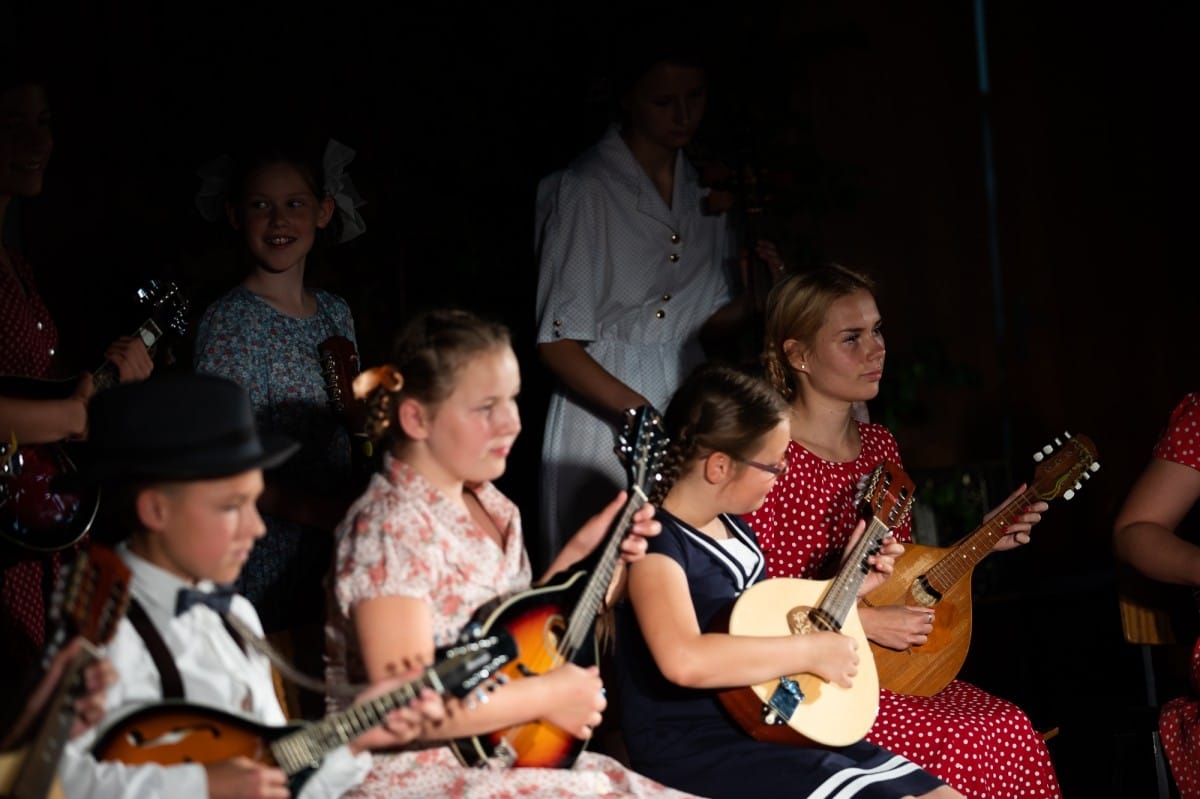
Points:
[[718, 408]]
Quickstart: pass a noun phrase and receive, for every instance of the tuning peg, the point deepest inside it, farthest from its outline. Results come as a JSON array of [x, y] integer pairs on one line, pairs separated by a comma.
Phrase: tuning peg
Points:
[[1095, 467], [1069, 493]]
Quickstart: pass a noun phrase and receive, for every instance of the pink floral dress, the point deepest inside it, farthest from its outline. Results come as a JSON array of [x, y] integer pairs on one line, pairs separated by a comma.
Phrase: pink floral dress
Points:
[[403, 537], [982, 745], [1179, 719]]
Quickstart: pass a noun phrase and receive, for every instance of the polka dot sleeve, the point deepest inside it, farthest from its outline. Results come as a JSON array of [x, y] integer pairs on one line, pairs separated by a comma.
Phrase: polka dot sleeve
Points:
[[1181, 441]]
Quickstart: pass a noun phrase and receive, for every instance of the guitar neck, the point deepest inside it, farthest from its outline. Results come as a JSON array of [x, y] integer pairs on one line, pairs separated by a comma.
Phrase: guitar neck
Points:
[[842, 594], [39, 769], [579, 625], [306, 748], [966, 554], [107, 375]]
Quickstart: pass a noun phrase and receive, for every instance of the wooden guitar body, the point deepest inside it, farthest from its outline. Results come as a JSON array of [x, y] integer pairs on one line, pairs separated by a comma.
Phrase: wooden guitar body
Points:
[[555, 624], [39, 510], [924, 670], [172, 732], [802, 708], [825, 714], [90, 601], [537, 620], [940, 577], [339, 366]]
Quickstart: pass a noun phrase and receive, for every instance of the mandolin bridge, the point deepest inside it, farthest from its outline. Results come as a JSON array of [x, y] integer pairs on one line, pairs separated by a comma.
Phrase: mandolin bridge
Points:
[[503, 756], [784, 700]]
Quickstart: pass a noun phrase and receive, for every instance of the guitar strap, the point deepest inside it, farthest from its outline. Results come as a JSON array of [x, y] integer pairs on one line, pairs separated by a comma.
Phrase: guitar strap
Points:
[[168, 672]]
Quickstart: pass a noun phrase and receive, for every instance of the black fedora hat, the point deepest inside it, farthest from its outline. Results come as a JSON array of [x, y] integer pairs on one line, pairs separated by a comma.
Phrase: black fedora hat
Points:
[[177, 426]]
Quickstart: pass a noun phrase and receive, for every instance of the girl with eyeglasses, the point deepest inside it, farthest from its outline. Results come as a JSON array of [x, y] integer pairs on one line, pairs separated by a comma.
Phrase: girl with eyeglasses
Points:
[[729, 435]]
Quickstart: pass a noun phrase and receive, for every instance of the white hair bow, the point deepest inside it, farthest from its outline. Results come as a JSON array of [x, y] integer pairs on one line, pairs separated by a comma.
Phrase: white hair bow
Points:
[[216, 175]]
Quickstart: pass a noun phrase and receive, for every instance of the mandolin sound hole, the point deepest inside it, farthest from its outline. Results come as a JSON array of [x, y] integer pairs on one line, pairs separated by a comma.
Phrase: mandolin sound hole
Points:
[[172, 737], [553, 632], [924, 593]]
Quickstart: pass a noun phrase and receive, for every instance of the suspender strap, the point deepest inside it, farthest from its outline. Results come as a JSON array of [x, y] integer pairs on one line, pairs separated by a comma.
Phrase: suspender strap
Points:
[[168, 672]]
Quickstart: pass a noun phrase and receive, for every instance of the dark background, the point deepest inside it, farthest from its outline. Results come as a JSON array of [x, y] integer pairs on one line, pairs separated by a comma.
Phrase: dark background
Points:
[[1033, 242]]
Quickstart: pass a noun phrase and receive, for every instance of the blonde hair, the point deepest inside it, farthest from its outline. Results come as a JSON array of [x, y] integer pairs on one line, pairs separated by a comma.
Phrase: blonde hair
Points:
[[796, 309], [428, 354]]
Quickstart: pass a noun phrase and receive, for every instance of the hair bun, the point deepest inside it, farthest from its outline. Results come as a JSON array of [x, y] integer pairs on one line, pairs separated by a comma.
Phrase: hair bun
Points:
[[386, 378]]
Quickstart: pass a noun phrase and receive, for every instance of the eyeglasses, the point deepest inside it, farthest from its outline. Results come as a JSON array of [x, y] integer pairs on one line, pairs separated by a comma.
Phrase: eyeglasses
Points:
[[777, 469]]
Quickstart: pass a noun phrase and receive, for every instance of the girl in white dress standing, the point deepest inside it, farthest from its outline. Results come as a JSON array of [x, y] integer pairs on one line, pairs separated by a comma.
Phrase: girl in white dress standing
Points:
[[632, 272]]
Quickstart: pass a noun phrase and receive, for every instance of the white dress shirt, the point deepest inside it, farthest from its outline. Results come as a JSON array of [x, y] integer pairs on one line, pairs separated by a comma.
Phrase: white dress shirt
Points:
[[215, 672]]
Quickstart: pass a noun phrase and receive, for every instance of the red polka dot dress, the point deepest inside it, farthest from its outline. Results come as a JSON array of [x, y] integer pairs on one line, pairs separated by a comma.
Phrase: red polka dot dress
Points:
[[30, 343], [982, 745], [1179, 719]]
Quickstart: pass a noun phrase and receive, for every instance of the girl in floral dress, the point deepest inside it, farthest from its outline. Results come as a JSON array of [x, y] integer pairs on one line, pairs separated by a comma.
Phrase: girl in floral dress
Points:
[[729, 434], [824, 351], [431, 540], [283, 196], [1148, 535]]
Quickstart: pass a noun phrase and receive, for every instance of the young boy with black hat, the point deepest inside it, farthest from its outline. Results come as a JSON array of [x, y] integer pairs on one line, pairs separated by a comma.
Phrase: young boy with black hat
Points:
[[180, 464]]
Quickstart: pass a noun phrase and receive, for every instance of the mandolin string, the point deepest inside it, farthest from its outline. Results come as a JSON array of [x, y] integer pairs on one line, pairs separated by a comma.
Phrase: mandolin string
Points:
[[577, 625], [583, 615], [955, 568]]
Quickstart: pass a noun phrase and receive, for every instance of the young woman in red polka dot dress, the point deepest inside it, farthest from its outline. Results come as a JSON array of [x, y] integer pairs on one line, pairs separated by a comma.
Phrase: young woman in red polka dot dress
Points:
[[30, 349], [1145, 535], [824, 352]]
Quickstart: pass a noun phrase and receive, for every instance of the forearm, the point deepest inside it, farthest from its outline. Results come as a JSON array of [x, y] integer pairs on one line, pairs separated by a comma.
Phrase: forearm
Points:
[[582, 374], [1158, 553], [868, 616], [718, 660], [42, 421], [515, 702]]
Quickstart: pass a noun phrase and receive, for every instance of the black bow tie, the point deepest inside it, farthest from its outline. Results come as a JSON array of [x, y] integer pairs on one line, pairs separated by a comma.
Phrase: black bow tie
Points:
[[219, 599]]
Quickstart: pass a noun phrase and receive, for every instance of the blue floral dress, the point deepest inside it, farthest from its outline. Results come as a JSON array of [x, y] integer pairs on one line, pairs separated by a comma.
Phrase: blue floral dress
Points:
[[275, 357]]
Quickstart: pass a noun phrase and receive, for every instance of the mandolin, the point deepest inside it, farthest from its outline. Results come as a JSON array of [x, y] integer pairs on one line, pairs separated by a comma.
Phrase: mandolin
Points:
[[339, 366], [173, 732], [89, 603], [940, 577], [39, 511], [803, 709], [555, 623]]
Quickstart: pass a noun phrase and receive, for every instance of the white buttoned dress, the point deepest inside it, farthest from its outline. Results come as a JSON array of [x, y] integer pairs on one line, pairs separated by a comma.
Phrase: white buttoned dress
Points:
[[633, 280]]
